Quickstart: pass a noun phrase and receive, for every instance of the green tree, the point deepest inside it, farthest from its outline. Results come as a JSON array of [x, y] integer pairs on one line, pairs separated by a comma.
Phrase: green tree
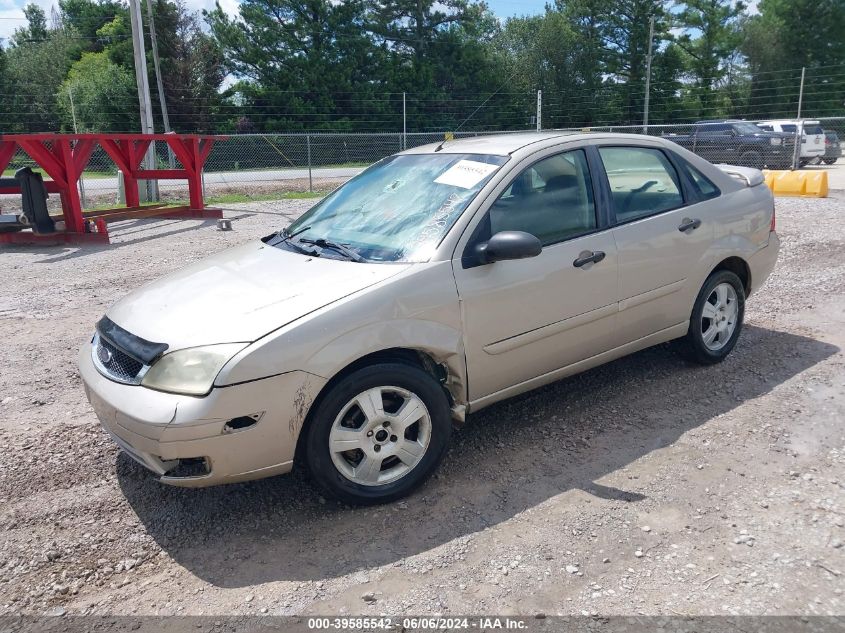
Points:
[[115, 39], [6, 88], [440, 52], [301, 62], [192, 67], [713, 40], [36, 28], [100, 94], [543, 52], [625, 32], [785, 36], [37, 66], [88, 17]]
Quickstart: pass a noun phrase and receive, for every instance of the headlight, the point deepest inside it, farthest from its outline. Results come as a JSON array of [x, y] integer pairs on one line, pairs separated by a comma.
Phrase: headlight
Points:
[[775, 141], [190, 371]]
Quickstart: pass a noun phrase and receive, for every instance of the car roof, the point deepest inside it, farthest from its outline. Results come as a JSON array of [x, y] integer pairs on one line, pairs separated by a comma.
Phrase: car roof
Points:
[[496, 144], [780, 121], [517, 144]]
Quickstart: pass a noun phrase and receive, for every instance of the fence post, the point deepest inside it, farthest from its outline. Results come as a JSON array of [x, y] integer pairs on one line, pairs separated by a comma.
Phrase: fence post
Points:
[[539, 110], [310, 181], [404, 124], [799, 126], [648, 74]]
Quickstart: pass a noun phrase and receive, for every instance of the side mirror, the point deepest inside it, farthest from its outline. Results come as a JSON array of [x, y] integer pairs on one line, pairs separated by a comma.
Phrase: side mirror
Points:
[[509, 245]]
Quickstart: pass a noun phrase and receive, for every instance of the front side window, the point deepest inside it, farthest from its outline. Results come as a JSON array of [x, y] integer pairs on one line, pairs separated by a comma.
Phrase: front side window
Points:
[[746, 128], [642, 182], [552, 200], [398, 210]]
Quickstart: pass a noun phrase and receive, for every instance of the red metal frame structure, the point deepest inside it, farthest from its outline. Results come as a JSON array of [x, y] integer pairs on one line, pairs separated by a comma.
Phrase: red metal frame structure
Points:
[[64, 156]]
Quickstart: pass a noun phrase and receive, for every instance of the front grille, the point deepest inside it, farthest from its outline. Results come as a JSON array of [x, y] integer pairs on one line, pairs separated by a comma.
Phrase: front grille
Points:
[[116, 363]]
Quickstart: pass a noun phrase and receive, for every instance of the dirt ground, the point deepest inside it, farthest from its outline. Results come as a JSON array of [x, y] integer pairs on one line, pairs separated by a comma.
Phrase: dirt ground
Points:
[[647, 486]]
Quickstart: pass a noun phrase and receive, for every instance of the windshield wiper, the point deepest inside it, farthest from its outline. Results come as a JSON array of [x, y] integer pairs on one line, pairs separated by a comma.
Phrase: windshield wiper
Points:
[[284, 236], [323, 243]]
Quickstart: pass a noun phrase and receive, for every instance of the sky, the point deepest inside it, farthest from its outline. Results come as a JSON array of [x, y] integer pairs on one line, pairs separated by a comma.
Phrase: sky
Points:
[[11, 15]]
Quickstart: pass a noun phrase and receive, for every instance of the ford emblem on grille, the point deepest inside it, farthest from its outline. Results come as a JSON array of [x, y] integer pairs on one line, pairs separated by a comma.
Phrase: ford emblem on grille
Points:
[[103, 354]]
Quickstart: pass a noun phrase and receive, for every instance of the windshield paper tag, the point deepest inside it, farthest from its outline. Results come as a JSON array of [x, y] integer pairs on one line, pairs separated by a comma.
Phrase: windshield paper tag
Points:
[[465, 174]]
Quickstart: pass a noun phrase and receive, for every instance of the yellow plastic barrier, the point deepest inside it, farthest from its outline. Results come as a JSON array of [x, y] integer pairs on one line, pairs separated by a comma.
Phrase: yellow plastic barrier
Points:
[[803, 184]]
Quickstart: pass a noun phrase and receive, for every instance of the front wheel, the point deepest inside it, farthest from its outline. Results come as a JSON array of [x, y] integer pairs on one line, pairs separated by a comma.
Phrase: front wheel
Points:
[[378, 434], [716, 319]]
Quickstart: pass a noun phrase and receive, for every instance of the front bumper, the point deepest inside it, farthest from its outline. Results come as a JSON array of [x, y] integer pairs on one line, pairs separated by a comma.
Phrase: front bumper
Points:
[[163, 431]]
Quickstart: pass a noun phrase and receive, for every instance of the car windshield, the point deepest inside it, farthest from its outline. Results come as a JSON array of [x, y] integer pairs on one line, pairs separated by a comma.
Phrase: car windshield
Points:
[[746, 128], [399, 209]]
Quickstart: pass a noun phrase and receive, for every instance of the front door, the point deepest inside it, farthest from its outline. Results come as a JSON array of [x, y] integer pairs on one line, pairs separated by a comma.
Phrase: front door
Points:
[[525, 318]]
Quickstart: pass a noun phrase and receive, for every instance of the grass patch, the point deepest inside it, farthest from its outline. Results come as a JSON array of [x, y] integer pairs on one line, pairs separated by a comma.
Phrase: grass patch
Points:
[[235, 198], [89, 175]]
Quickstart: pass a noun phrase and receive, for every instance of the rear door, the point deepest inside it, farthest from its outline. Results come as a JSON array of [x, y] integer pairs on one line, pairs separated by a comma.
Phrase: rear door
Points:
[[662, 234], [524, 318]]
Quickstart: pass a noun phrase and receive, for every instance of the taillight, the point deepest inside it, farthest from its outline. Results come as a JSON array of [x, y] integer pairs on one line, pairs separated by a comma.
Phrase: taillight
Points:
[[772, 225]]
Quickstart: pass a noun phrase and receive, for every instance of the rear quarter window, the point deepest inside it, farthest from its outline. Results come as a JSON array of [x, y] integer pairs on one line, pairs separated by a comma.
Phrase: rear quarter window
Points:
[[701, 183]]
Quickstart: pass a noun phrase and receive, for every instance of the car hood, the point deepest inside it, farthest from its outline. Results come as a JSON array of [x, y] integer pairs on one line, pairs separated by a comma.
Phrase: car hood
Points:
[[240, 295]]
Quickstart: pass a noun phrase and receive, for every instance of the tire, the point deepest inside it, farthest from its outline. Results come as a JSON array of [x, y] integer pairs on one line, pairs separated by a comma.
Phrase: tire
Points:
[[349, 415], [695, 347], [751, 158], [829, 161]]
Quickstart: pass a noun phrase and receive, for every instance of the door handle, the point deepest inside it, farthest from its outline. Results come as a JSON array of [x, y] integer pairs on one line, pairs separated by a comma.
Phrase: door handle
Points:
[[588, 257], [689, 225]]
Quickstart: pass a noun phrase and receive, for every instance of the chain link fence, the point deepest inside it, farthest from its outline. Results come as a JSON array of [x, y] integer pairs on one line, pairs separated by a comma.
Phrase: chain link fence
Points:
[[267, 166], [771, 144]]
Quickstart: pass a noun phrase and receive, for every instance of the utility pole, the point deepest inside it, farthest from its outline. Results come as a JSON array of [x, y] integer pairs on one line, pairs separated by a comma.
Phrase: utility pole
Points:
[[648, 74], [76, 131], [159, 83], [539, 110], [143, 83]]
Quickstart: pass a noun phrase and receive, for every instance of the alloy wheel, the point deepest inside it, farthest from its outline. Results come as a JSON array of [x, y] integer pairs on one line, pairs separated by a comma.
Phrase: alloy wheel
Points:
[[719, 316], [380, 435]]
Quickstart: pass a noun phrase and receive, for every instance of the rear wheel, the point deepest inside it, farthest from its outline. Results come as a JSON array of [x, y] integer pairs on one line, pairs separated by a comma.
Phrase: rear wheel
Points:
[[378, 434], [829, 161], [716, 319]]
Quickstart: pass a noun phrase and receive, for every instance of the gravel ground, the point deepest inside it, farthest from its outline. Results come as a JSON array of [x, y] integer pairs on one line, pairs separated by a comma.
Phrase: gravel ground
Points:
[[647, 486]]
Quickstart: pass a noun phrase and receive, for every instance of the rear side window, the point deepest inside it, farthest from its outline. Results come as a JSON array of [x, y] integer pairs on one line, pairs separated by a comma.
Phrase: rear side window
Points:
[[552, 200], [705, 188], [642, 182]]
